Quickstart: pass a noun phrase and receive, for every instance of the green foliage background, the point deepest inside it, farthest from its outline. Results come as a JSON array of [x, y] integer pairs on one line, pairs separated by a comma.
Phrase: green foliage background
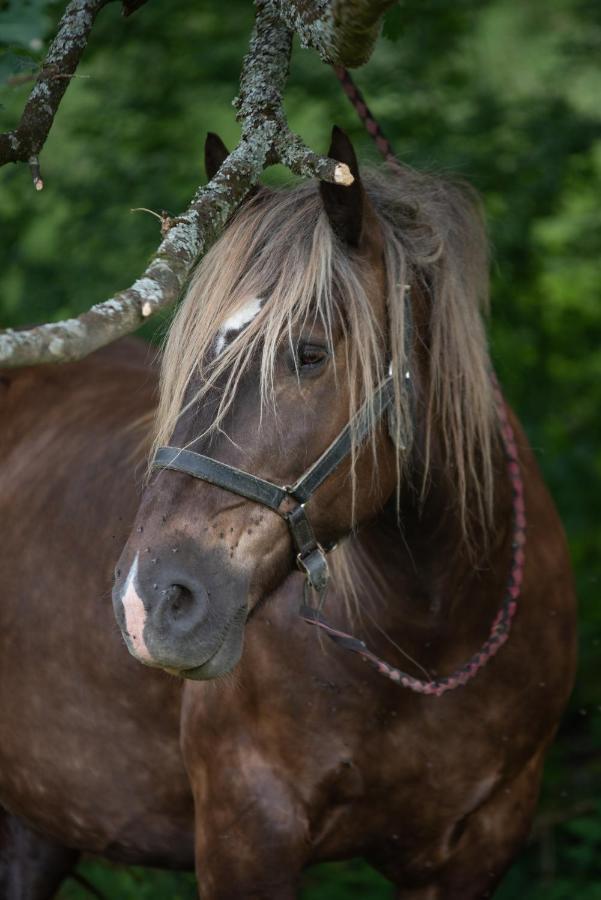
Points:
[[503, 92]]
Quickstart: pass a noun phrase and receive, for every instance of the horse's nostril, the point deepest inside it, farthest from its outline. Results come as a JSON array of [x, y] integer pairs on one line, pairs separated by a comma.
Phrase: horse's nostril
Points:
[[179, 599]]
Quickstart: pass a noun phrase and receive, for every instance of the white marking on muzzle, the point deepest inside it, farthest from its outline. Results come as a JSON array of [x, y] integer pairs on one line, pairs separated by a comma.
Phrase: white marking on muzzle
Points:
[[236, 322], [135, 614]]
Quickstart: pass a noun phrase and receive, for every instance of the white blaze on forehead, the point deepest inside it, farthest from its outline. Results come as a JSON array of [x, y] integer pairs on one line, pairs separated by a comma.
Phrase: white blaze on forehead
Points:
[[135, 614], [234, 324]]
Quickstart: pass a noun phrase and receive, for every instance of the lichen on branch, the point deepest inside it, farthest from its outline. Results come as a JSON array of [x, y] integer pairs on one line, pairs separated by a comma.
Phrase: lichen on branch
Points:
[[25, 142], [343, 32], [266, 139]]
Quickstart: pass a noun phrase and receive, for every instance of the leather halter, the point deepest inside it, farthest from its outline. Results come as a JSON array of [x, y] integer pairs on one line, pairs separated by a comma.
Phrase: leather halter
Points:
[[287, 501]]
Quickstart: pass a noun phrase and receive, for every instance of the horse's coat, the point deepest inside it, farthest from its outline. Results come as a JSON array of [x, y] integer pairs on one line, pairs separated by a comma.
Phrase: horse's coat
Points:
[[303, 753]]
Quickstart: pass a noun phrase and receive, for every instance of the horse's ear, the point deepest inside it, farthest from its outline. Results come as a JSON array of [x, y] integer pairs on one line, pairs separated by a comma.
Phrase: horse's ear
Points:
[[215, 154], [344, 205]]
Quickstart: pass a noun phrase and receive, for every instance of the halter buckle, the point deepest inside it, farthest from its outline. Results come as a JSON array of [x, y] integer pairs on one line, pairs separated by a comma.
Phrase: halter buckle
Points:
[[314, 565], [310, 555]]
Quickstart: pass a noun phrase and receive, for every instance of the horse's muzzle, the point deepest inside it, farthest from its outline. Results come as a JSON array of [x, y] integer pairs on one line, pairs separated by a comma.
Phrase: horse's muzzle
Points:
[[171, 619]]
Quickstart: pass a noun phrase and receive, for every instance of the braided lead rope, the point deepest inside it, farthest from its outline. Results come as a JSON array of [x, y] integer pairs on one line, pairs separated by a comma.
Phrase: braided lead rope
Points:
[[371, 126], [501, 625]]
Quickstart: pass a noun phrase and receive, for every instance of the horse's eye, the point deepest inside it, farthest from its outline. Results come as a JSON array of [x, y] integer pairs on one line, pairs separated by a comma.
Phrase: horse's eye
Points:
[[310, 356]]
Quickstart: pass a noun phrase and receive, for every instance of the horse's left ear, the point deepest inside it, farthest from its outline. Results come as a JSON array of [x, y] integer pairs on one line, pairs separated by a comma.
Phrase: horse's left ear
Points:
[[344, 205], [215, 154]]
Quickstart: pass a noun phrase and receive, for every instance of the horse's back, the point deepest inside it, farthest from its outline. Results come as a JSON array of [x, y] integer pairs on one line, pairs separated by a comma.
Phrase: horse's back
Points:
[[48, 397], [76, 756], [63, 427]]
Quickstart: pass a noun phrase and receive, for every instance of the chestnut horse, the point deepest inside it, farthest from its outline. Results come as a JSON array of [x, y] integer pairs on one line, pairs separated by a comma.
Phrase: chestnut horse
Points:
[[313, 301]]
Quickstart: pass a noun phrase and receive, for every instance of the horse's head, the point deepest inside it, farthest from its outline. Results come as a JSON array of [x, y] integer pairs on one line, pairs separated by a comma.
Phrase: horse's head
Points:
[[292, 322]]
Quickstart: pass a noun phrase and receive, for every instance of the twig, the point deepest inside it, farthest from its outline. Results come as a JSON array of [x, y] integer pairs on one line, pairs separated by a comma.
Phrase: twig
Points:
[[167, 221], [16, 80], [34, 165]]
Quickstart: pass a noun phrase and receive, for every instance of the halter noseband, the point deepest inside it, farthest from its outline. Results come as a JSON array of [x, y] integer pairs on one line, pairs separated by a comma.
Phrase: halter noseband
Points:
[[288, 501]]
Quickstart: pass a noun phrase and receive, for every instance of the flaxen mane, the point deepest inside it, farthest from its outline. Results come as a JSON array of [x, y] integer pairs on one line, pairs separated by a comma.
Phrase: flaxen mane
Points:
[[280, 247]]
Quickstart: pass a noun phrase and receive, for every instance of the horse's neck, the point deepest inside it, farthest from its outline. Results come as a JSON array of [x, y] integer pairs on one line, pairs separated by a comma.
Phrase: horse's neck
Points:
[[422, 584]]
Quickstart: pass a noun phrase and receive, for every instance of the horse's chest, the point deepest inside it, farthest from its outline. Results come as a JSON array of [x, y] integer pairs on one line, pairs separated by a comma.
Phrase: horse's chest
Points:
[[402, 788], [339, 774]]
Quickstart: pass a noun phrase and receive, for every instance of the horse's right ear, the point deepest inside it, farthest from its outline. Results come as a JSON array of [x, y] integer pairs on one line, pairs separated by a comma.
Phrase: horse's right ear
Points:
[[344, 205], [215, 154]]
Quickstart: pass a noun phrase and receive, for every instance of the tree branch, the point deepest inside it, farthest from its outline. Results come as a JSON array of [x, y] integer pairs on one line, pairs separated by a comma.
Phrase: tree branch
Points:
[[343, 32], [24, 143], [265, 139]]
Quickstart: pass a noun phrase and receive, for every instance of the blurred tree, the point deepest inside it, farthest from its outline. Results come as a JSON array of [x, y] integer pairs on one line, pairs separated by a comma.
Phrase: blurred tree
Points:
[[501, 92]]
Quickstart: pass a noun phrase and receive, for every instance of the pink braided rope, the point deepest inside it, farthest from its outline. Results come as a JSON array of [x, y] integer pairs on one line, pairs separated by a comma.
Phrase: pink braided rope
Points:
[[371, 126], [501, 625]]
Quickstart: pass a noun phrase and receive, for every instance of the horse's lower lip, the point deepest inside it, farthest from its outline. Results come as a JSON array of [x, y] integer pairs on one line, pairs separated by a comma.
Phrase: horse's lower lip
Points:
[[192, 674], [196, 671], [199, 673]]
